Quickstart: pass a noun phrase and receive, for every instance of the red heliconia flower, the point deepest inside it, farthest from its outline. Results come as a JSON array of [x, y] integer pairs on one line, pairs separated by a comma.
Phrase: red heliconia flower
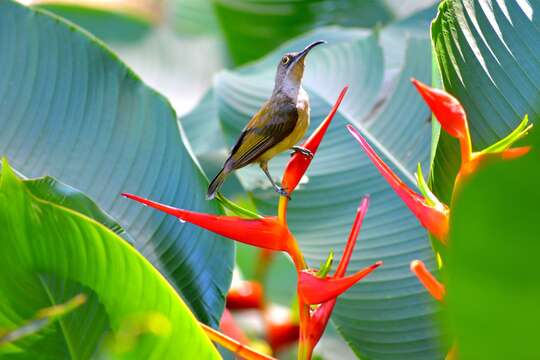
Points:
[[266, 232], [432, 285], [315, 290], [451, 115], [431, 213], [298, 164], [245, 295], [314, 323], [446, 109]]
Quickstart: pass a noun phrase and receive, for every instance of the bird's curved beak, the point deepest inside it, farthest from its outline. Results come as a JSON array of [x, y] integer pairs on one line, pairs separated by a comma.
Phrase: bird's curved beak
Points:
[[308, 48]]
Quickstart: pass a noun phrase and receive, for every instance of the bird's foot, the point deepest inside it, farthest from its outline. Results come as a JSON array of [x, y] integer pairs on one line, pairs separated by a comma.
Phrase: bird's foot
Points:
[[282, 192], [302, 150]]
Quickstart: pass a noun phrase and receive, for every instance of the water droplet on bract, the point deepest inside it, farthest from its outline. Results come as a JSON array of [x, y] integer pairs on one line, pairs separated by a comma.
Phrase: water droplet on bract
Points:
[[145, 205], [182, 221]]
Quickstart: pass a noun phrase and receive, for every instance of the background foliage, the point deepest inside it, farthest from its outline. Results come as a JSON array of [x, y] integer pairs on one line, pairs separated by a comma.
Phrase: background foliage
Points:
[[71, 110], [95, 126]]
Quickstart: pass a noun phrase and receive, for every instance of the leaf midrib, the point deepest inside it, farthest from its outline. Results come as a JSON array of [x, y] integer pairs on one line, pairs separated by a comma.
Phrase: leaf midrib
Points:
[[66, 337]]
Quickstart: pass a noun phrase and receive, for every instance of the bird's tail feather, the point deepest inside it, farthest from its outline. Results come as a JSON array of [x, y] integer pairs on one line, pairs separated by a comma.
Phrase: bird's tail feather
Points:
[[214, 186]]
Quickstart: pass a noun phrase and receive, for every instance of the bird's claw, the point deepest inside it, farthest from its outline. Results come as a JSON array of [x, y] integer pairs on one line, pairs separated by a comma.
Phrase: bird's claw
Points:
[[302, 150], [281, 191]]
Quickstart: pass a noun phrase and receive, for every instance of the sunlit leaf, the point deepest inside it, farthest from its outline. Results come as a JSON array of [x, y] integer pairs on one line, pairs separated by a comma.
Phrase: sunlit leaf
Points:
[[48, 253], [492, 271], [71, 110]]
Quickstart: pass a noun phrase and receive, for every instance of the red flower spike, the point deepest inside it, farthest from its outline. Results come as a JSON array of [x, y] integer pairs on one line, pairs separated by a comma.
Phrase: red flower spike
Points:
[[316, 326], [314, 290], [432, 285], [351, 241], [313, 322], [434, 218], [245, 295], [267, 233], [446, 109], [298, 164], [450, 115]]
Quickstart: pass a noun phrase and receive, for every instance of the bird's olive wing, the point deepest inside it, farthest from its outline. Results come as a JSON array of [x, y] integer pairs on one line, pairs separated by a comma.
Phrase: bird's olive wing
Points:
[[267, 128]]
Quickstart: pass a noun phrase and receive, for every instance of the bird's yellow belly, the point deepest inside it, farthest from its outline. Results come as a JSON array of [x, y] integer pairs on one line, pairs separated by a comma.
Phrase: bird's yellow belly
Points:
[[296, 135]]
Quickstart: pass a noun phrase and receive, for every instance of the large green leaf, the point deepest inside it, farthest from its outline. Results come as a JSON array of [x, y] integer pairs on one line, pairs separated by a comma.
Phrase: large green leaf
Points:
[[254, 27], [177, 58], [389, 315], [70, 109], [54, 191], [47, 251], [492, 271], [489, 56]]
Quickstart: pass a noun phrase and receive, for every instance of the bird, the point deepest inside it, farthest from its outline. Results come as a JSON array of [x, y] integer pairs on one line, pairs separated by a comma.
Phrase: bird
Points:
[[277, 126]]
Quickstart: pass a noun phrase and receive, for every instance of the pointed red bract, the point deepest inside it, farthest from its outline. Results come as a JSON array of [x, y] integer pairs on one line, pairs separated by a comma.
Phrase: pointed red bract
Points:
[[314, 290], [450, 114], [316, 326], [353, 236], [267, 233], [446, 109], [434, 218], [298, 164], [432, 285], [515, 153]]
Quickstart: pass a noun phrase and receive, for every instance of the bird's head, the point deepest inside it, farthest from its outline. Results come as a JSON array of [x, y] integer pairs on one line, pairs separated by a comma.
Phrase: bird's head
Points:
[[291, 69]]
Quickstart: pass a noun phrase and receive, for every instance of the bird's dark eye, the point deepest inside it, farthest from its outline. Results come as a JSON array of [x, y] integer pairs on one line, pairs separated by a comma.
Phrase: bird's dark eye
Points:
[[285, 60]]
